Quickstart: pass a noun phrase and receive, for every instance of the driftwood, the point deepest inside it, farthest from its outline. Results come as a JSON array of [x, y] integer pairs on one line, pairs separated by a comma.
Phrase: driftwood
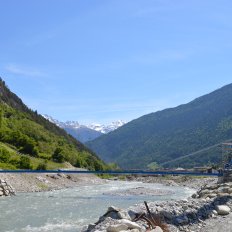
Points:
[[152, 220]]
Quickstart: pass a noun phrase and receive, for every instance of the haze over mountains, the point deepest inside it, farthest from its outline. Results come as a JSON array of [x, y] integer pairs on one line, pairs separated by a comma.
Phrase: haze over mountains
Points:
[[172, 133], [85, 133]]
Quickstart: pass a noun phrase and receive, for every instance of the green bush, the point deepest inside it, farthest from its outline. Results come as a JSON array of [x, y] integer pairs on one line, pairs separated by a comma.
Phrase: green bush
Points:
[[4, 155], [58, 155], [42, 166], [25, 163]]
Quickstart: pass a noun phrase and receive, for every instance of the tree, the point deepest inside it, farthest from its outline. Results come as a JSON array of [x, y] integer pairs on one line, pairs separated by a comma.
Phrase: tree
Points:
[[58, 155]]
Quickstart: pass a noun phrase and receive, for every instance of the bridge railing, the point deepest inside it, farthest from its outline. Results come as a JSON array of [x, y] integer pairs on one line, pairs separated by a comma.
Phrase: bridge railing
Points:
[[112, 172]]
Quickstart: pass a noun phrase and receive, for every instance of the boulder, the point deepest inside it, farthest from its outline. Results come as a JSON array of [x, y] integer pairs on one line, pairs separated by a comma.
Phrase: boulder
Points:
[[222, 209], [132, 214], [123, 215], [117, 228], [113, 208], [130, 224]]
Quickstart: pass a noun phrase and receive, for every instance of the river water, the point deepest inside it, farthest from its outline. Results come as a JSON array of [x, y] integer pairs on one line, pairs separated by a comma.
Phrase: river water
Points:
[[68, 210]]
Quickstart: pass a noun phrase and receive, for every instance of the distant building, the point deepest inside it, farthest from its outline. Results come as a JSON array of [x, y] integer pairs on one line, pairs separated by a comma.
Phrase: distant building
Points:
[[205, 170]]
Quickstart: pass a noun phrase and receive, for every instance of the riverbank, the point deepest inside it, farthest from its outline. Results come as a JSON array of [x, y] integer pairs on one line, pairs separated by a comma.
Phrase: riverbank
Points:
[[48, 182], [208, 210], [185, 181]]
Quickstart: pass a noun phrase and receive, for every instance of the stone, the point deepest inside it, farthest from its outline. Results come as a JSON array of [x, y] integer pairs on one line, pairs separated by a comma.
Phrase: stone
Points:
[[230, 191], [117, 228], [55, 177], [61, 175], [204, 192], [112, 214], [212, 195], [113, 208], [215, 212], [194, 195], [223, 194], [132, 214], [167, 215], [222, 209], [7, 192], [91, 227], [157, 229], [130, 224], [123, 215], [225, 189], [213, 187], [182, 220]]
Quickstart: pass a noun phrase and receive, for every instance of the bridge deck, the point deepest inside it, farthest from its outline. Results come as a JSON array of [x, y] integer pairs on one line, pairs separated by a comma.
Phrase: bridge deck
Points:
[[125, 172]]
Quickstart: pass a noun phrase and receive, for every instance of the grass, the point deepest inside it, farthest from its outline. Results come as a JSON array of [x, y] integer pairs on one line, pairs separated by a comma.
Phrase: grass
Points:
[[42, 186], [7, 166]]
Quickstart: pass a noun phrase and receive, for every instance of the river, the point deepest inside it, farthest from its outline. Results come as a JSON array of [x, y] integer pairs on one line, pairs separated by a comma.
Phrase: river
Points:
[[68, 210]]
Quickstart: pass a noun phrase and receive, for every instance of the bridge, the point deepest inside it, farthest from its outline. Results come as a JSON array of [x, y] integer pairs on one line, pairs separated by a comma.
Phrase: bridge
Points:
[[112, 172]]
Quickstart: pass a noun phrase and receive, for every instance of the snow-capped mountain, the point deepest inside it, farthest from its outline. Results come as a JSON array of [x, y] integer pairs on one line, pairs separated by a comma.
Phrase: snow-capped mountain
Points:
[[85, 133], [106, 128]]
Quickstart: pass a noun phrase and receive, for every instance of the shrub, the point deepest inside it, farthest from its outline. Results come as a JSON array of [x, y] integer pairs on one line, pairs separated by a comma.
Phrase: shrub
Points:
[[42, 166], [4, 155], [25, 162], [58, 155]]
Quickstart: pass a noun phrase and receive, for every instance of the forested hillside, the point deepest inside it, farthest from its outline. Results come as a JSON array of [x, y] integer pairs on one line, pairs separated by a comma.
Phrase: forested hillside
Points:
[[28, 140], [166, 135]]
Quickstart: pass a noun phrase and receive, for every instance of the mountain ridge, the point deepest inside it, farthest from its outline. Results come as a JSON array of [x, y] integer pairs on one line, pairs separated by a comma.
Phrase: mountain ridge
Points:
[[170, 133]]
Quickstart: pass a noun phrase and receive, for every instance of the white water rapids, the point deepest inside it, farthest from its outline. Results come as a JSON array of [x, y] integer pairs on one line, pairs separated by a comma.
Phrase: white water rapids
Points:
[[68, 210]]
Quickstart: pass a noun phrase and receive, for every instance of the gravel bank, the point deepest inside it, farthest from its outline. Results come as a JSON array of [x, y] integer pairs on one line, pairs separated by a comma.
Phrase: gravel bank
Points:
[[207, 210], [47, 182]]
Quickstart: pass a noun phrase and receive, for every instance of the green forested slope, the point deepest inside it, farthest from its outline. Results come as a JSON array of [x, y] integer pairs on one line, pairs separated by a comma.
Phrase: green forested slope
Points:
[[171, 133], [23, 131]]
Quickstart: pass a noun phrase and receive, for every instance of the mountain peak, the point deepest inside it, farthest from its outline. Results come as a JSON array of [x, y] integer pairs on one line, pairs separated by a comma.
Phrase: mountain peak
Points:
[[88, 132]]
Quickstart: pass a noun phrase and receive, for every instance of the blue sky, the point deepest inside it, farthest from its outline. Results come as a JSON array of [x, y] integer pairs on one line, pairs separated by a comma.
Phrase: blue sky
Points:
[[99, 61]]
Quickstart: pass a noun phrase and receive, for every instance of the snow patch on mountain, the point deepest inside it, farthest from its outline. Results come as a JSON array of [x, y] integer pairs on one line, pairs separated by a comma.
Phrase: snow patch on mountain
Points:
[[106, 128], [93, 126]]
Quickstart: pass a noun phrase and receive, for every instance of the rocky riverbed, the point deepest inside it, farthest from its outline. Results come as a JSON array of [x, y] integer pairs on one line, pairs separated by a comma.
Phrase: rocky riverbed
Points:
[[46, 182], [207, 210]]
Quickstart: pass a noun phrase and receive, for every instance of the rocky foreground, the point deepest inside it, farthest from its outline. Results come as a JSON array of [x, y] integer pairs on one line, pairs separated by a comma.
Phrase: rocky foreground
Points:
[[209, 209]]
